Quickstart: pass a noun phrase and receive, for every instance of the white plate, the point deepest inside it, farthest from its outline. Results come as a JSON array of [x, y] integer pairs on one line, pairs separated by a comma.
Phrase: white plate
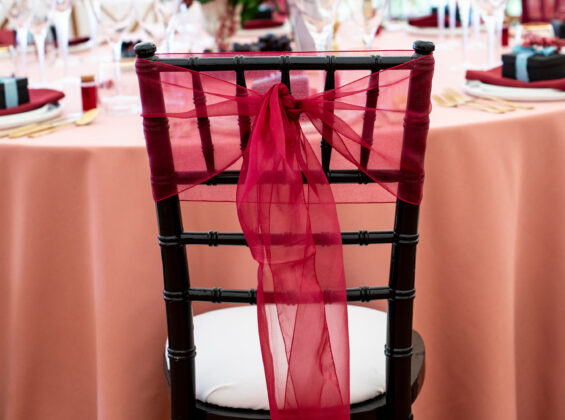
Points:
[[46, 112], [480, 89]]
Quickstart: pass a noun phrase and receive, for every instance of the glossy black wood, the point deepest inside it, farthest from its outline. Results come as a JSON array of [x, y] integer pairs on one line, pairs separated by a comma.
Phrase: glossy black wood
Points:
[[404, 349]]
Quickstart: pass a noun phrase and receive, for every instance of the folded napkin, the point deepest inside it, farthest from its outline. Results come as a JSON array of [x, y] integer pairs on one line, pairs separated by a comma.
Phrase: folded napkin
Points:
[[429, 21], [494, 77], [7, 37], [277, 20], [37, 98]]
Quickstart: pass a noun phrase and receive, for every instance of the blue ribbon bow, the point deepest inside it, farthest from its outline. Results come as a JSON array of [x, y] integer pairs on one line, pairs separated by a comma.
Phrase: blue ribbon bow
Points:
[[10, 91], [522, 56]]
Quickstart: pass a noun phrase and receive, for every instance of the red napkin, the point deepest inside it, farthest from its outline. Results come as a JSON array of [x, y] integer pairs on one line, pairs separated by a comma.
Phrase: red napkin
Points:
[[277, 20], [37, 98], [429, 21], [494, 77], [7, 37]]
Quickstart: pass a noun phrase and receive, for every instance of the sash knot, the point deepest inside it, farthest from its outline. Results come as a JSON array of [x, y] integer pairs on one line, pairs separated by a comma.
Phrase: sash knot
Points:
[[289, 103]]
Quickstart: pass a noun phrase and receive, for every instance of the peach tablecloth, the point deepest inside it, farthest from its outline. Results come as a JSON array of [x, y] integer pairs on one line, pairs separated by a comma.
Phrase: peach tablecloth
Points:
[[81, 313]]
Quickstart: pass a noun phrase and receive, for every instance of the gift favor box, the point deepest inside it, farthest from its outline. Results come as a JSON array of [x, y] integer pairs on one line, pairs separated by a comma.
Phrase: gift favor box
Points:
[[13, 92], [559, 28], [539, 67]]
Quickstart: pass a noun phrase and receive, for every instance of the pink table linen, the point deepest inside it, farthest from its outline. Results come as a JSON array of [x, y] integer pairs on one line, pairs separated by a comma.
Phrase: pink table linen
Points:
[[81, 311]]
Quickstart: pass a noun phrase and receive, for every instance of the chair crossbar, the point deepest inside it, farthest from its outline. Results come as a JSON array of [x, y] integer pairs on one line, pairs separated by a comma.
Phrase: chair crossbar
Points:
[[373, 62], [219, 295], [214, 238], [341, 176]]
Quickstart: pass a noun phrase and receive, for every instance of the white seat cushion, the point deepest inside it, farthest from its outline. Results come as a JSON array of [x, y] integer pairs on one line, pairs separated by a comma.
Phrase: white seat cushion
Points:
[[229, 367]]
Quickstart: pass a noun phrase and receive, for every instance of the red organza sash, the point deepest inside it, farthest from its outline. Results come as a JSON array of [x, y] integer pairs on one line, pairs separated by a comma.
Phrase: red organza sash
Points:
[[542, 10], [285, 205]]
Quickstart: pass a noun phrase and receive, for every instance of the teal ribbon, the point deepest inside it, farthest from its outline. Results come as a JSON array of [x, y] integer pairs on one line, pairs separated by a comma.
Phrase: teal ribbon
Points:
[[10, 91], [522, 56]]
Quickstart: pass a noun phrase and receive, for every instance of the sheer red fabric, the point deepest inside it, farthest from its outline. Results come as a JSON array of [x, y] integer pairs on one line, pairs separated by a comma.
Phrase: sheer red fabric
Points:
[[200, 124], [542, 10]]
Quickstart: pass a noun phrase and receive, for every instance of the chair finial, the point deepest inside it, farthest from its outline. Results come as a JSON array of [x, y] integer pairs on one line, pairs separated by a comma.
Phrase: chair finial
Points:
[[145, 49], [423, 47]]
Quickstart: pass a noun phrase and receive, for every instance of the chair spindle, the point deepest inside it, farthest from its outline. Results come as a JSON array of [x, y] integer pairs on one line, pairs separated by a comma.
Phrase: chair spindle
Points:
[[370, 115], [326, 149], [203, 121]]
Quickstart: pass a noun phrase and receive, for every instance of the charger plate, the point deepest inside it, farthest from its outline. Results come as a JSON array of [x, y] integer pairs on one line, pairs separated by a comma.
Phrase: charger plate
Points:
[[480, 89], [44, 113]]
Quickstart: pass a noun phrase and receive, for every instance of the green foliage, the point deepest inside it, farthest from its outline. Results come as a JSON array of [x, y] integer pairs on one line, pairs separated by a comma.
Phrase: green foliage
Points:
[[249, 7]]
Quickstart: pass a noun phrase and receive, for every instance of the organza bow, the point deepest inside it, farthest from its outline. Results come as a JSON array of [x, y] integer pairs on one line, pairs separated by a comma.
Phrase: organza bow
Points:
[[285, 204]]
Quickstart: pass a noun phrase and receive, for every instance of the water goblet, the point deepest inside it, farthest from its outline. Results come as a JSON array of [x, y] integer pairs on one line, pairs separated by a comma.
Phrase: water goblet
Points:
[[114, 18], [489, 10], [19, 15], [151, 22], [42, 14], [167, 9], [318, 17], [368, 14], [61, 19]]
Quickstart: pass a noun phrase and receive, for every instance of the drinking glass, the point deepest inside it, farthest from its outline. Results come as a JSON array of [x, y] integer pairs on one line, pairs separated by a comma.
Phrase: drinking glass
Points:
[[42, 14], [476, 21], [114, 18], [166, 9], [441, 5], [19, 16], [61, 20], [368, 14], [452, 7], [319, 18], [489, 10], [151, 22], [464, 15]]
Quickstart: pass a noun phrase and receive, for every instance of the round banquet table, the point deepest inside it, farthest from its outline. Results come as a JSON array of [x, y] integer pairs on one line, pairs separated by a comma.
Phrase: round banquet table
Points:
[[81, 314]]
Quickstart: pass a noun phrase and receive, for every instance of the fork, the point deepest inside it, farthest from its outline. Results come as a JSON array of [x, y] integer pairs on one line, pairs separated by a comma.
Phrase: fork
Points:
[[461, 99], [447, 102]]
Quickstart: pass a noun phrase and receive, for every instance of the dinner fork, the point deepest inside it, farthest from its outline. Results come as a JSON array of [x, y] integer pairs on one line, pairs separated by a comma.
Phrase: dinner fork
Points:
[[447, 102], [460, 99]]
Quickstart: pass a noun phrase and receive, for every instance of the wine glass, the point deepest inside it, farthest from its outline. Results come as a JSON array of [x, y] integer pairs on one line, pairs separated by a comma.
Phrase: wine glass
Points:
[[61, 20], [319, 18], [151, 22], [19, 16], [465, 14], [42, 14], [114, 18], [166, 9], [368, 14], [489, 10]]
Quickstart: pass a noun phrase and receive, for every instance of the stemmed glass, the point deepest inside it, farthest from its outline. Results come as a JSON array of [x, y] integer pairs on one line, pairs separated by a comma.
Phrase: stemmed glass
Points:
[[441, 5], [319, 18], [489, 10], [151, 22], [61, 20], [19, 15], [114, 18], [465, 14], [166, 9], [41, 16], [368, 14]]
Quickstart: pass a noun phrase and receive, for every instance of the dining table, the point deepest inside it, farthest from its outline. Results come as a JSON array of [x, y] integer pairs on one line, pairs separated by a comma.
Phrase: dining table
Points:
[[82, 318]]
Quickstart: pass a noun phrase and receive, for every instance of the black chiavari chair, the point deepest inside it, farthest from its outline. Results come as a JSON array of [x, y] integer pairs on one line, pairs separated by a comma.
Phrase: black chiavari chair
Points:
[[403, 347]]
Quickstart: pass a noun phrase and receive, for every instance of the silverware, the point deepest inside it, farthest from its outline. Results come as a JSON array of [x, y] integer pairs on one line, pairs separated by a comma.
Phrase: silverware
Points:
[[80, 120], [461, 99], [447, 102]]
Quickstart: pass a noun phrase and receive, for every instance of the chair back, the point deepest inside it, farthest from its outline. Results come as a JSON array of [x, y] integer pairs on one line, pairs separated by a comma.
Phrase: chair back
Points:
[[168, 178]]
